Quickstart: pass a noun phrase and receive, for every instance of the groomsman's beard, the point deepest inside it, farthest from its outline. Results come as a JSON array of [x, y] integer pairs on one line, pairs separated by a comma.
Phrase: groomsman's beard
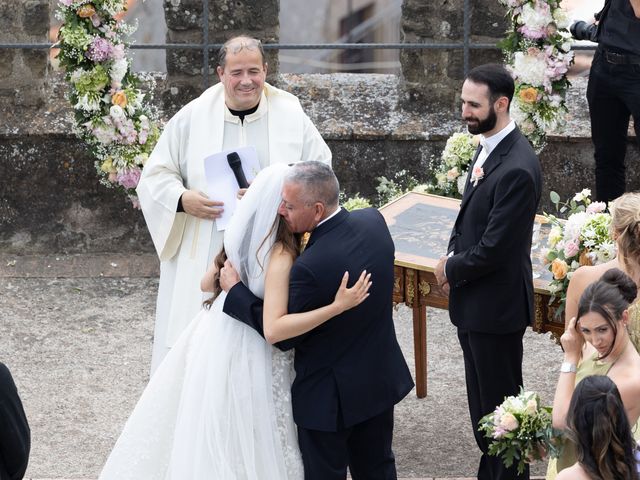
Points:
[[484, 125]]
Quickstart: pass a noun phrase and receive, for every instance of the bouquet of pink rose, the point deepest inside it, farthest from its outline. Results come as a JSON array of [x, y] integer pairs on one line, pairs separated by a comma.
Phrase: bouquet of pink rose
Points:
[[520, 430]]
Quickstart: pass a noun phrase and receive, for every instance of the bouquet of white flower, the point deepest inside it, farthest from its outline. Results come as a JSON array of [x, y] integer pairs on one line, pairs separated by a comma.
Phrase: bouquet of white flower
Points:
[[450, 170], [520, 430], [582, 239]]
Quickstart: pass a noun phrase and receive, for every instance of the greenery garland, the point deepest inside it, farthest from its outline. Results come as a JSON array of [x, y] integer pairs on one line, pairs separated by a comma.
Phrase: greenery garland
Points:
[[111, 114]]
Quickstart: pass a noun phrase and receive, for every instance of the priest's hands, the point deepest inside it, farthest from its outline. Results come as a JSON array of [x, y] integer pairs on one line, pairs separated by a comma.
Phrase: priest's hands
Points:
[[199, 205], [228, 276]]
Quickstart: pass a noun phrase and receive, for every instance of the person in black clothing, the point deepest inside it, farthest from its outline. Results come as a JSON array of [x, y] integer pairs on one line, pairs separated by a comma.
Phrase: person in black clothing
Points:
[[613, 93], [15, 436]]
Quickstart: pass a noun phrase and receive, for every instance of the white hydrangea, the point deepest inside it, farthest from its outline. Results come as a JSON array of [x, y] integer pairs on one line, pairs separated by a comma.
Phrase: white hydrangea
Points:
[[535, 17], [530, 68], [561, 18]]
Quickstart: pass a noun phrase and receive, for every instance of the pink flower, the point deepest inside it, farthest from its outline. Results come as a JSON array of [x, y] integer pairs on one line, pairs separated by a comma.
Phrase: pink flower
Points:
[[99, 50], [117, 52], [66, 3], [129, 177], [476, 175], [571, 248], [596, 207]]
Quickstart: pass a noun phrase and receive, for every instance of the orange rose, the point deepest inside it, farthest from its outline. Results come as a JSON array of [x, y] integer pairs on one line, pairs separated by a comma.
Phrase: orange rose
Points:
[[559, 268], [529, 95], [85, 11], [119, 98]]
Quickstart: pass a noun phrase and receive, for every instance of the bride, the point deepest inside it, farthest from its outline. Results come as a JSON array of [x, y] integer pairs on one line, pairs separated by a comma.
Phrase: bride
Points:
[[219, 405]]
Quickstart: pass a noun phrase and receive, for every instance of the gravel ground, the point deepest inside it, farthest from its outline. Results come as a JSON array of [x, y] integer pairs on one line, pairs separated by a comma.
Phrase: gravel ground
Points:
[[80, 348]]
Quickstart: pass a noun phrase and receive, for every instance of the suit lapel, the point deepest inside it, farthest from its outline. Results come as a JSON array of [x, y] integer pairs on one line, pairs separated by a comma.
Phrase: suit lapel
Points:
[[467, 184], [491, 163]]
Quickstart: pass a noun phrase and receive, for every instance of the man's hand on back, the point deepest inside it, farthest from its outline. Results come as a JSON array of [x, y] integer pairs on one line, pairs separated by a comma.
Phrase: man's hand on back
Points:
[[228, 276]]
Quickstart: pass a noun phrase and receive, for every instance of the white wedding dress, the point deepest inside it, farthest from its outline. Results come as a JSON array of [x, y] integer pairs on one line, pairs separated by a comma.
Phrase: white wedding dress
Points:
[[219, 405]]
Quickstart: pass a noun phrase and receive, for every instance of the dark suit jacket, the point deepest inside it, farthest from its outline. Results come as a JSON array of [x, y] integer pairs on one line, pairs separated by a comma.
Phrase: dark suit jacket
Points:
[[15, 436], [490, 272], [350, 368]]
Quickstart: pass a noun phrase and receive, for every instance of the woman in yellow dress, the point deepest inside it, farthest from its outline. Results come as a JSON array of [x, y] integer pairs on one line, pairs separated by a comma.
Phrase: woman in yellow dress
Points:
[[596, 342]]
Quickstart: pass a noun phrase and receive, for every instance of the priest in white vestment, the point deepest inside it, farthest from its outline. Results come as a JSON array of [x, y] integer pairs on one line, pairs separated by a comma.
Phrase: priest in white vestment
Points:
[[242, 110]]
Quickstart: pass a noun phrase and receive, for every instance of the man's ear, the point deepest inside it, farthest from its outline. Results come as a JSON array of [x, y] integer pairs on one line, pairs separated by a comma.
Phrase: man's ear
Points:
[[266, 68], [220, 72], [319, 211], [502, 104]]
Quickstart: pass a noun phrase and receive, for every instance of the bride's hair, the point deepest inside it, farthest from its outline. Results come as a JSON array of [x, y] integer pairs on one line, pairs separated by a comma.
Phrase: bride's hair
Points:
[[289, 241]]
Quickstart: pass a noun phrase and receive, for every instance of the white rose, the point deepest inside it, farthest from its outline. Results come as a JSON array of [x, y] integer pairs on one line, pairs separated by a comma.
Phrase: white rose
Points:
[[509, 422], [116, 112], [532, 407], [453, 174]]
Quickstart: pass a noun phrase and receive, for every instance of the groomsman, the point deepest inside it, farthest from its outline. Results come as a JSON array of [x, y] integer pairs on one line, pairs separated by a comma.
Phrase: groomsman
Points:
[[487, 268]]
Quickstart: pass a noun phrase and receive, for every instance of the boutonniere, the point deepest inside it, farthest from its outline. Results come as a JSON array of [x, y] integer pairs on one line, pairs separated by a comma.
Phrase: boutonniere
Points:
[[476, 175], [304, 240]]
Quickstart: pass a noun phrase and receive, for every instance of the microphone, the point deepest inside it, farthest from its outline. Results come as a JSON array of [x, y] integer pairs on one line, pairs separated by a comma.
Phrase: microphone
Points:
[[236, 166]]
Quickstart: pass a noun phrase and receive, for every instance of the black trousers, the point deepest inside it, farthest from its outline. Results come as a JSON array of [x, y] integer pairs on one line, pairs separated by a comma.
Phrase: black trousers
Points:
[[493, 370], [365, 448], [613, 94]]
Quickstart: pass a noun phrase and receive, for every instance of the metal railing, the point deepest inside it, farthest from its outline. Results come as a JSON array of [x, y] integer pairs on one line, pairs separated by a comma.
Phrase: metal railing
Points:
[[466, 45]]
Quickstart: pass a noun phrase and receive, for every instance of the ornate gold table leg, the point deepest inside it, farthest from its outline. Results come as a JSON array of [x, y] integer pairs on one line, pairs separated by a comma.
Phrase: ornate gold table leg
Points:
[[419, 331]]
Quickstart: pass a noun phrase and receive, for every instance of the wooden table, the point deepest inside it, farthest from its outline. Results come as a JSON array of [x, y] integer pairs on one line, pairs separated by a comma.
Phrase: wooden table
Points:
[[420, 225]]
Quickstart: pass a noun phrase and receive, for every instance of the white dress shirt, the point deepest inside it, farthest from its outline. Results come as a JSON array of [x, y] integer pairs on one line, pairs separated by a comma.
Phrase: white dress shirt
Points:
[[490, 143]]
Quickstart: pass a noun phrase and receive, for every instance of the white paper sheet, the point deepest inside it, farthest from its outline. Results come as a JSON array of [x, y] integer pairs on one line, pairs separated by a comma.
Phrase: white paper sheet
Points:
[[221, 182]]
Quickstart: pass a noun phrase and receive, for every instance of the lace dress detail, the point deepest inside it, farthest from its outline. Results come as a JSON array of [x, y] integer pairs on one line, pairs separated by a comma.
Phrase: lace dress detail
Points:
[[283, 375]]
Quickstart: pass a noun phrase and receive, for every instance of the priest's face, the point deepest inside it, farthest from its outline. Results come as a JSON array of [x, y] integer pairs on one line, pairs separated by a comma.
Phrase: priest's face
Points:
[[243, 77], [301, 214], [478, 111]]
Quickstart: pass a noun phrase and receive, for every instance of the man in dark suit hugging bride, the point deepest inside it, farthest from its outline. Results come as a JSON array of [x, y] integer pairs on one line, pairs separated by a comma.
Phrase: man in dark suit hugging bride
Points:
[[350, 371]]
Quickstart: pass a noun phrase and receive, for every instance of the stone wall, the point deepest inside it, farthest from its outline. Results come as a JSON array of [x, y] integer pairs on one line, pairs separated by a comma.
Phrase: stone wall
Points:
[[441, 21], [50, 196], [23, 72], [51, 199]]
